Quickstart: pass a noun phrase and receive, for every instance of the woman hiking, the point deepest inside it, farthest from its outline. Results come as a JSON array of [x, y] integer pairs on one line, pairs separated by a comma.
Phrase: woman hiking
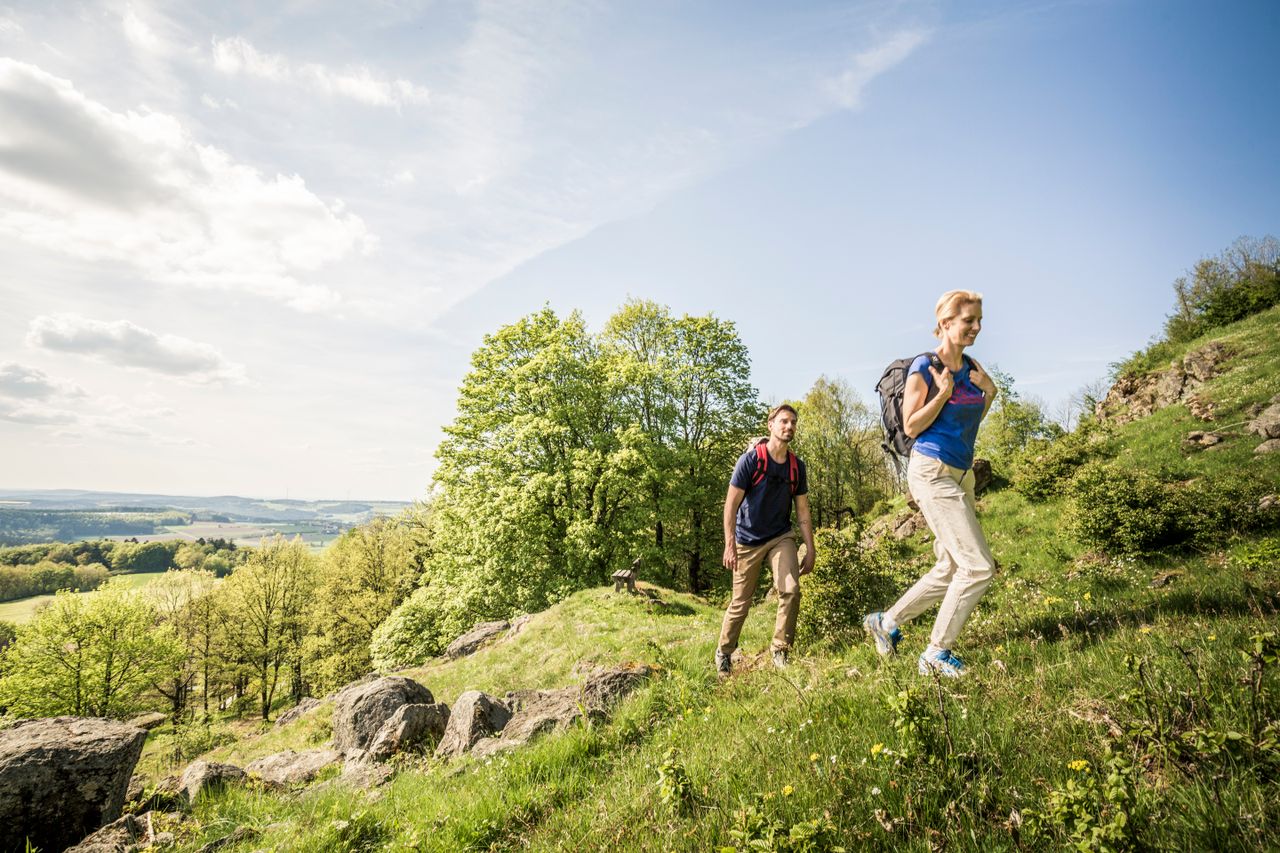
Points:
[[946, 396]]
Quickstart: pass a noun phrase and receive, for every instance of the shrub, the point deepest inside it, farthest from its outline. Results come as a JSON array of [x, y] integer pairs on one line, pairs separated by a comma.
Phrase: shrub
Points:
[[1043, 467], [1123, 512], [1129, 513], [847, 581]]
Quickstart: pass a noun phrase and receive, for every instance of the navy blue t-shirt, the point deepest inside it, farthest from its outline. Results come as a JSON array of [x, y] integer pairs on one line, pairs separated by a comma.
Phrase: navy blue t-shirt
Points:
[[953, 432], [765, 512]]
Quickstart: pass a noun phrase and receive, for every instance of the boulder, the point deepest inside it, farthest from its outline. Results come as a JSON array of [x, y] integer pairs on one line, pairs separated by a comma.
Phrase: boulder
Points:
[[306, 704], [365, 774], [982, 475], [469, 642], [517, 625], [360, 711], [1271, 445], [123, 836], [149, 721], [908, 525], [201, 776], [544, 711], [1268, 503], [62, 779], [1267, 422], [474, 716], [289, 767], [1199, 439], [410, 726]]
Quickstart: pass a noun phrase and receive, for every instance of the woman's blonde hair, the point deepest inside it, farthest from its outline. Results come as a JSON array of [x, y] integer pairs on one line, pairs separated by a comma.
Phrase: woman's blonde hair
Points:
[[949, 306]]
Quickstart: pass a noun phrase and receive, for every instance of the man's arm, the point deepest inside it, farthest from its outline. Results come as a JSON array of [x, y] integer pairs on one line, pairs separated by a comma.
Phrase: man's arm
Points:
[[806, 531], [731, 503]]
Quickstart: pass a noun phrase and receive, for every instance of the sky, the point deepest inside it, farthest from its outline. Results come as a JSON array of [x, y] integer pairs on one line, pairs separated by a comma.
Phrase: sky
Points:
[[250, 252]]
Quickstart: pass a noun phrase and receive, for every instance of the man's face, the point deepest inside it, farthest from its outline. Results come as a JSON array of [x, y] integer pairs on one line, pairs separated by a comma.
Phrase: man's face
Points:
[[783, 426]]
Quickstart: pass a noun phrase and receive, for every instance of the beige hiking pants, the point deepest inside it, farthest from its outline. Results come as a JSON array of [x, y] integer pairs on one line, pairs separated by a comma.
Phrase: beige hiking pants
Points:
[[784, 560], [965, 565]]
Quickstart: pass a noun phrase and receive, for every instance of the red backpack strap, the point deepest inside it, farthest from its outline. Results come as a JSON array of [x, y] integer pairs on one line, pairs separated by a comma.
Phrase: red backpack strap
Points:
[[793, 472], [762, 463]]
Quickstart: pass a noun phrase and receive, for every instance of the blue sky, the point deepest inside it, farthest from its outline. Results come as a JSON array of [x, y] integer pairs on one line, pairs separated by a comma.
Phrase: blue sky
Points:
[[252, 253]]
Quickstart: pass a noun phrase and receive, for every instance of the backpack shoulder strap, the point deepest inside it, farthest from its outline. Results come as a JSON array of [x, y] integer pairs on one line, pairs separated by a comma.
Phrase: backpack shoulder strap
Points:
[[762, 462], [793, 472]]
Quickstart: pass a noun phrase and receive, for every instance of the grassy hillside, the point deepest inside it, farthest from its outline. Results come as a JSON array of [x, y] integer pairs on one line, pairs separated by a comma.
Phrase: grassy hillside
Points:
[[1113, 702]]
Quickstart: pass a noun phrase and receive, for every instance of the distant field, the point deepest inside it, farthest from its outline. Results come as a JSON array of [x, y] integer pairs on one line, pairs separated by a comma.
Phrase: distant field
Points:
[[241, 533], [20, 612]]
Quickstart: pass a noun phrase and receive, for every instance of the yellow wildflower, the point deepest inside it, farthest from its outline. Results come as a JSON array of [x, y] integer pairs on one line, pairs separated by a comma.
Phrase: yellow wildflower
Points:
[[787, 790], [813, 756], [877, 749], [1078, 764], [1088, 596]]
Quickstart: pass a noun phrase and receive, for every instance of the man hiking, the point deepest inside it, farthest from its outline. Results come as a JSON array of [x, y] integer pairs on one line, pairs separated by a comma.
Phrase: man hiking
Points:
[[757, 531]]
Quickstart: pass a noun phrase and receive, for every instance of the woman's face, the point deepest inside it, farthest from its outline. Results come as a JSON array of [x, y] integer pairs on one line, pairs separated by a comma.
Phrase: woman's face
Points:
[[962, 329]]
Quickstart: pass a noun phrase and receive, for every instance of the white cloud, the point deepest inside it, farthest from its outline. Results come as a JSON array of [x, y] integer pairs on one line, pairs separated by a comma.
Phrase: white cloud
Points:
[[124, 344], [218, 103], [135, 188], [30, 383], [846, 88], [139, 32], [236, 55], [36, 414]]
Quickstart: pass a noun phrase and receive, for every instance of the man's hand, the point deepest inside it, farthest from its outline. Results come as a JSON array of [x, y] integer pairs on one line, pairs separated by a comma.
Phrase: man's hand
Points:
[[731, 556], [806, 562]]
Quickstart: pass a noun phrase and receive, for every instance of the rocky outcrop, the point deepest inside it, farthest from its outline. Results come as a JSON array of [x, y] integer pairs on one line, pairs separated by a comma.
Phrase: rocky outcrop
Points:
[[1134, 397], [201, 776], [62, 779], [1199, 440], [361, 710], [1271, 445], [540, 712], [306, 704], [410, 727], [123, 836], [471, 641], [292, 768], [474, 716], [1267, 422]]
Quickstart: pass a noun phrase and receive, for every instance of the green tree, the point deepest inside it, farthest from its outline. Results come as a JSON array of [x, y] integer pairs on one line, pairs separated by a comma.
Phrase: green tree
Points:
[[174, 598], [87, 655], [839, 439], [362, 577], [685, 383], [1012, 423], [266, 605]]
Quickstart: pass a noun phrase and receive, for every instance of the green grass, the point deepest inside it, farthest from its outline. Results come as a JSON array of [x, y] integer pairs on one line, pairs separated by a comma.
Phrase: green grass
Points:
[[22, 610], [1078, 662]]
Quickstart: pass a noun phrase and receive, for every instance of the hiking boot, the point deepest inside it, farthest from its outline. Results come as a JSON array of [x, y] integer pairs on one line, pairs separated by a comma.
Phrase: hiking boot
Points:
[[886, 641], [724, 663], [781, 658], [941, 661]]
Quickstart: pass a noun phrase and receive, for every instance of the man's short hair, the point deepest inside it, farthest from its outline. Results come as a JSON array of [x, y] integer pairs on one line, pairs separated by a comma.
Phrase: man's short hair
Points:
[[783, 407]]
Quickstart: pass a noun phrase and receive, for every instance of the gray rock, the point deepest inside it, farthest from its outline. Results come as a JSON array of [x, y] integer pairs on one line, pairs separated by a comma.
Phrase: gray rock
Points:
[[474, 716], [540, 712], [517, 625], [1267, 423], [149, 721], [360, 712], [123, 836], [412, 726], [1271, 445], [469, 642], [62, 779], [365, 774], [1200, 439], [1134, 397], [982, 475], [289, 767], [307, 704], [201, 776], [1268, 503]]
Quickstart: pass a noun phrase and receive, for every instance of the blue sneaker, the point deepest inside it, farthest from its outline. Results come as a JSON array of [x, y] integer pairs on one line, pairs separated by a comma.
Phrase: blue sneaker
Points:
[[940, 661], [886, 641]]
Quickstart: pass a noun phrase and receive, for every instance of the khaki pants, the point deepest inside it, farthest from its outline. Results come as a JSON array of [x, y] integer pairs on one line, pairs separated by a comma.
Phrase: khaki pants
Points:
[[965, 565], [781, 555]]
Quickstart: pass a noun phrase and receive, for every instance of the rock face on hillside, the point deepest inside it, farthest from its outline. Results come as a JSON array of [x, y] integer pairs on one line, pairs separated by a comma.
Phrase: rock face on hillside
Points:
[[1134, 397], [62, 779], [307, 704], [361, 710], [201, 776], [289, 767], [1267, 423], [410, 727], [471, 641], [474, 716], [540, 712]]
